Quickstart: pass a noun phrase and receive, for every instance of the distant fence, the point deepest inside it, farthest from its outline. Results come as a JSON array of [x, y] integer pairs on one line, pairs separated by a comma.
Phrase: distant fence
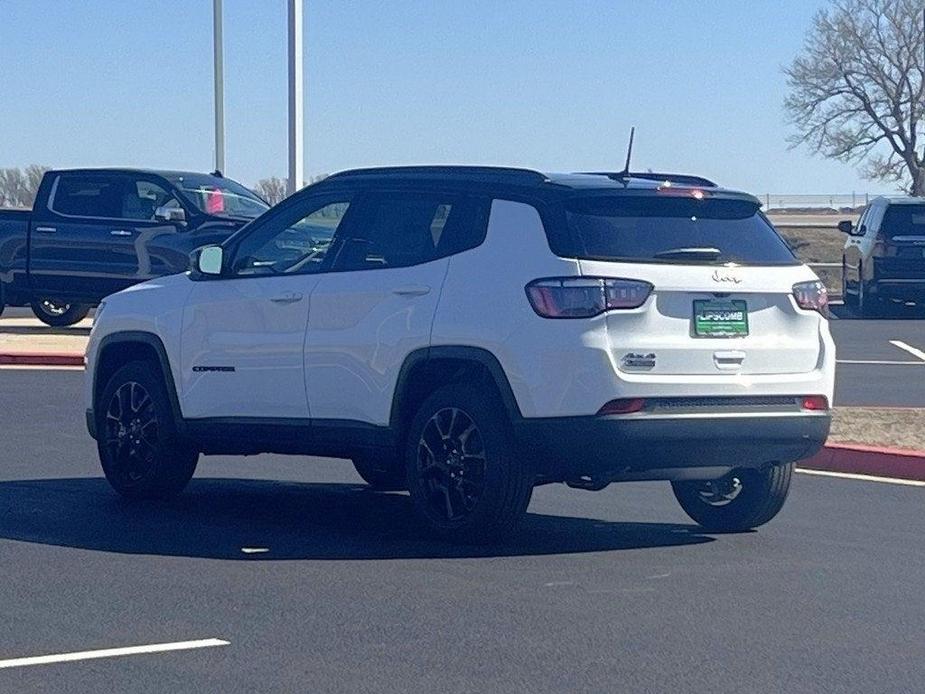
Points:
[[838, 201]]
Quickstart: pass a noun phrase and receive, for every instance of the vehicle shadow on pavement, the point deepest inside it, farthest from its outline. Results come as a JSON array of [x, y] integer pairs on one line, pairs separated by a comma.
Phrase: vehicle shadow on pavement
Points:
[[219, 518]]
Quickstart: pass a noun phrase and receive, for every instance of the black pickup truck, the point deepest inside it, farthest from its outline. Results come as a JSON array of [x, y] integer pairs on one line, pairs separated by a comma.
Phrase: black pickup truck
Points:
[[93, 232]]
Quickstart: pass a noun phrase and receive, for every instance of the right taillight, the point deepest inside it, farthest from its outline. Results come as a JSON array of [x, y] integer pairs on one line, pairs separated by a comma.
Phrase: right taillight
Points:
[[814, 402], [811, 296], [585, 297]]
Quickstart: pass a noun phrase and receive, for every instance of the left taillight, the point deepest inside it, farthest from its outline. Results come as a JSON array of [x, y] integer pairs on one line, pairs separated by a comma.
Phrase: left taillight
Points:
[[811, 296], [585, 297]]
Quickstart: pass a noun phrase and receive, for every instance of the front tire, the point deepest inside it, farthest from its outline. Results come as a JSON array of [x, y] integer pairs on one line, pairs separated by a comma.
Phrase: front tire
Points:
[[467, 482], [742, 500], [141, 453], [381, 471], [59, 314]]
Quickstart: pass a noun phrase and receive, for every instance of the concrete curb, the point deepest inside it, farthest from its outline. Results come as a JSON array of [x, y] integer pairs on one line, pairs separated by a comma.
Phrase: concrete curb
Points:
[[868, 460], [41, 359]]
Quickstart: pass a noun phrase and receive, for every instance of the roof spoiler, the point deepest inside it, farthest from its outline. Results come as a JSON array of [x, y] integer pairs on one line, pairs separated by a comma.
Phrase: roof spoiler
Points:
[[487, 173], [679, 179]]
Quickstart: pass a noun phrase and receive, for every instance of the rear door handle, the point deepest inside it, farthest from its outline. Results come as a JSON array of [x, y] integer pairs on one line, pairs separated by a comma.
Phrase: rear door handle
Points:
[[287, 298], [120, 232], [412, 290], [46, 230]]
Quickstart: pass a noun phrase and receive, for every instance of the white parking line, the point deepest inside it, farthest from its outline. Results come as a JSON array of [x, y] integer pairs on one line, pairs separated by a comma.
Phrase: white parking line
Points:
[[861, 478], [112, 652], [880, 362], [914, 351]]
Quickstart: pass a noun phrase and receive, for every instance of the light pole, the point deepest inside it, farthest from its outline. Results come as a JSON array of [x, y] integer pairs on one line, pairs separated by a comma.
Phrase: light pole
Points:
[[296, 152], [219, 79]]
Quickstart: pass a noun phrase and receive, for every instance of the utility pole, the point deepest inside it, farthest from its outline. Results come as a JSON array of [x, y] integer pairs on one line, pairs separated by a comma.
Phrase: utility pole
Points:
[[296, 103], [219, 78]]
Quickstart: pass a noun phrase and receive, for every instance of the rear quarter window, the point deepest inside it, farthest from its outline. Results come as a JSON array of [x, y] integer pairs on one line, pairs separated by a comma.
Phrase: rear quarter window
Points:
[[650, 229]]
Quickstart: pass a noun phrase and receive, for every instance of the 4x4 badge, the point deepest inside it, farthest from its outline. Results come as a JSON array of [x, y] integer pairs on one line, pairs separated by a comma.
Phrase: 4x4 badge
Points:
[[725, 277]]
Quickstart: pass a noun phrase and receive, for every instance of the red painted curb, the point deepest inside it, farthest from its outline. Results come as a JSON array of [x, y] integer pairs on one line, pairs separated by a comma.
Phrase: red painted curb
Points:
[[869, 460], [41, 359]]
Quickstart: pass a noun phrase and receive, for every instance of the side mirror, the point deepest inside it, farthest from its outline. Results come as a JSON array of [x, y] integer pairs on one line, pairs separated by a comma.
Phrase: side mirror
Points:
[[209, 261], [170, 214], [846, 227]]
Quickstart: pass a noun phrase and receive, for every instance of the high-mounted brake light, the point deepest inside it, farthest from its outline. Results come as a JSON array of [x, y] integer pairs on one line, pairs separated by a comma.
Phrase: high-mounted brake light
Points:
[[682, 191], [585, 297], [811, 296], [815, 402]]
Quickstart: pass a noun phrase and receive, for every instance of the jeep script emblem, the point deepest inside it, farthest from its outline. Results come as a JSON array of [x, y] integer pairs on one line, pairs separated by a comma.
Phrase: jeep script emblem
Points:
[[725, 277]]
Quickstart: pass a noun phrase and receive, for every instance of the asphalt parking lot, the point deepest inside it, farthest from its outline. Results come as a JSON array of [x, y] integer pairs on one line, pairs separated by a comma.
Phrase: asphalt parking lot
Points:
[[289, 575], [881, 362]]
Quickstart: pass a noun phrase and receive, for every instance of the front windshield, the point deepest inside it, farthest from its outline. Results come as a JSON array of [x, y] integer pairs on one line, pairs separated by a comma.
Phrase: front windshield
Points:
[[221, 197]]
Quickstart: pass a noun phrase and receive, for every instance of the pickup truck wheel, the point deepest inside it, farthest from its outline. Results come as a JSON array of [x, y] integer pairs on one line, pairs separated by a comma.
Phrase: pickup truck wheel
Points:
[[140, 451], [381, 471], [742, 500], [466, 479], [59, 314]]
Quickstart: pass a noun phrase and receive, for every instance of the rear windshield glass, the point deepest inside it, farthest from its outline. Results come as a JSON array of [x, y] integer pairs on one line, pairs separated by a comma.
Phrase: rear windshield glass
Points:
[[673, 230], [903, 220]]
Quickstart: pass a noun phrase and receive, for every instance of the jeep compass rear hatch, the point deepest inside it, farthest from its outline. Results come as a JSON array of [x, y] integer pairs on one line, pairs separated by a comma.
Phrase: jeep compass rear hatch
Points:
[[725, 290]]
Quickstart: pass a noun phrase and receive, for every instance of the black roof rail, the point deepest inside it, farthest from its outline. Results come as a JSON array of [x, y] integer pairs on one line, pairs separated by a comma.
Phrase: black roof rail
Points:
[[681, 179], [485, 173]]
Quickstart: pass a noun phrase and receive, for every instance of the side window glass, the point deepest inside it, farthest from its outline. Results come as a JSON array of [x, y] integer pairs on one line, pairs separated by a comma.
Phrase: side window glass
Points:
[[873, 220], [405, 229], [79, 195], [293, 242], [140, 198]]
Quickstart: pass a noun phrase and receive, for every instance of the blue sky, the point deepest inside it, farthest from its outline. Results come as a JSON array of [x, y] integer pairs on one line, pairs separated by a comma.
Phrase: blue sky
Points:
[[550, 84]]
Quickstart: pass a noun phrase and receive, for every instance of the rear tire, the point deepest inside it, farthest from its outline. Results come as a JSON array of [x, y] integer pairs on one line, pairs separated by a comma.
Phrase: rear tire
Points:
[[381, 471], [142, 455], [742, 500], [467, 482], [850, 299], [869, 306], [59, 314]]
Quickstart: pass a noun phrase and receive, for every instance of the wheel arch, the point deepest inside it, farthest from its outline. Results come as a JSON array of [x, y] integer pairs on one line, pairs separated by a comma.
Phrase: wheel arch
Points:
[[118, 349], [427, 368]]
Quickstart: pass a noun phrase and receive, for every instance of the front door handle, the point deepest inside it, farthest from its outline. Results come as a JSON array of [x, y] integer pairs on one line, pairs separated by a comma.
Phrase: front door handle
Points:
[[287, 298], [412, 290], [120, 232]]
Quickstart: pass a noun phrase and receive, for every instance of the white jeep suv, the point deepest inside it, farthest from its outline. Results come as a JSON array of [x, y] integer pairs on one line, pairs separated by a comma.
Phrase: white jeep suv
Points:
[[468, 333]]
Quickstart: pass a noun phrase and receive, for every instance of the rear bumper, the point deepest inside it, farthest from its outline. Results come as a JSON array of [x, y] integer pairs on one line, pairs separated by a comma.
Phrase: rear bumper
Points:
[[629, 447], [900, 288]]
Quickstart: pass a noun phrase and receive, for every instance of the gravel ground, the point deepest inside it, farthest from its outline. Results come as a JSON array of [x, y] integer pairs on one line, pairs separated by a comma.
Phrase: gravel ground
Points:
[[896, 427]]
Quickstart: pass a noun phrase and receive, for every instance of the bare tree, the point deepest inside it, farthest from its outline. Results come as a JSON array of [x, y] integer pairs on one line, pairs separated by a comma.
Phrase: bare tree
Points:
[[12, 186], [272, 189], [856, 90], [34, 174], [18, 187]]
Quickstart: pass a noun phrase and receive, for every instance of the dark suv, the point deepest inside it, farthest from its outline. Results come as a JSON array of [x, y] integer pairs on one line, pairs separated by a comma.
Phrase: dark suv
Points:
[[884, 256]]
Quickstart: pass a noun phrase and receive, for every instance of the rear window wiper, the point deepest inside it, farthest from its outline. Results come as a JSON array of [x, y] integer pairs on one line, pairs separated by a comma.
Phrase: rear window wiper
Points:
[[707, 253]]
